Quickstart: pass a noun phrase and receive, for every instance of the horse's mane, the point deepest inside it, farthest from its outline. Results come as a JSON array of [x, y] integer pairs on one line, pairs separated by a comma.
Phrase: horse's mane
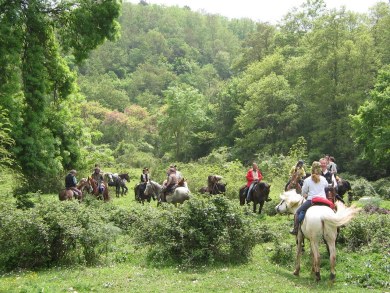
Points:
[[291, 196]]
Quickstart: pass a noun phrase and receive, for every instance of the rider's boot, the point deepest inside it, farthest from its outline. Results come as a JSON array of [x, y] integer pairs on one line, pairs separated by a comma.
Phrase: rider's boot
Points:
[[294, 231]]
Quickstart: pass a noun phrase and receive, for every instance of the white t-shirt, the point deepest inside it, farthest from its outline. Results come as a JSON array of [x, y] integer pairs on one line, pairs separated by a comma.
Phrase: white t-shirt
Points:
[[313, 189]]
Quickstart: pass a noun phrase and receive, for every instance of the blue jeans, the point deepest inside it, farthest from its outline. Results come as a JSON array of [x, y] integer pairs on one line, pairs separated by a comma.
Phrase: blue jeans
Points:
[[301, 211], [249, 190]]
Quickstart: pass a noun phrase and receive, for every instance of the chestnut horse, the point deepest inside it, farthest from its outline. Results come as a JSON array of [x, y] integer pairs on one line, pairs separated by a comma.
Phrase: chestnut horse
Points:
[[95, 189], [68, 194]]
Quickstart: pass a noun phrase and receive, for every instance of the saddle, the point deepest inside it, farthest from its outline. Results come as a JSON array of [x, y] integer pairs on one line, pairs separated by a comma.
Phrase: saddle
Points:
[[319, 201]]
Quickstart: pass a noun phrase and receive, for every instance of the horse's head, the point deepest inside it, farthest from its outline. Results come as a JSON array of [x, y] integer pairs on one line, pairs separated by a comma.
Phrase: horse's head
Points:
[[125, 176], [218, 188], [290, 201]]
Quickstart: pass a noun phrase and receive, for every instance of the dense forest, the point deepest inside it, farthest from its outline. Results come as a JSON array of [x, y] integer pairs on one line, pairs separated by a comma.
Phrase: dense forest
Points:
[[140, 84]]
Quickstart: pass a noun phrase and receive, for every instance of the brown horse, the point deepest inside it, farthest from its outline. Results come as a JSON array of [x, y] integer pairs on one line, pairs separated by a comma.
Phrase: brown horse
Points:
[[95, 189], [68, 194], [294, 183]]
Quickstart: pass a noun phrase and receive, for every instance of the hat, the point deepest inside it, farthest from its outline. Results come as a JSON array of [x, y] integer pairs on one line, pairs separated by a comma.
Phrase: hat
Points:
[[73, 171], [316, 168]]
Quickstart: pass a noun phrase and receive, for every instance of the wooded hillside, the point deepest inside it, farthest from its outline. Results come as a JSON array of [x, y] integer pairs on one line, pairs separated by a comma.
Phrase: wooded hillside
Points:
[[170, 84]]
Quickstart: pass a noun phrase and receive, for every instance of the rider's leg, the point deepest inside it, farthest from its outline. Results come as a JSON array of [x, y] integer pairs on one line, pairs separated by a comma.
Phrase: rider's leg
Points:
[[248, 195], [299, 216]]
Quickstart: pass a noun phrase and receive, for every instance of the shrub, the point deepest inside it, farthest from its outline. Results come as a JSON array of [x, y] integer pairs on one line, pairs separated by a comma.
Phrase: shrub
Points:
[[382, 187], [362, 187], [201, 231], [369, 232], [53, 233]]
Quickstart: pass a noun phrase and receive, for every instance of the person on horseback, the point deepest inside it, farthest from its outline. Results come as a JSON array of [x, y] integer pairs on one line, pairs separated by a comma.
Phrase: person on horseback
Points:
[[71, 182], [313, 186], [98, 177], [145, 177], [170, 184], [253, 176], [332, 167], [297, 172]]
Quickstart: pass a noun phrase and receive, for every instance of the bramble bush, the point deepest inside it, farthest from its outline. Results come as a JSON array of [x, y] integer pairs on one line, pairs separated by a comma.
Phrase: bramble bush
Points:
[[367, 232], [53, 233], [203, 230]]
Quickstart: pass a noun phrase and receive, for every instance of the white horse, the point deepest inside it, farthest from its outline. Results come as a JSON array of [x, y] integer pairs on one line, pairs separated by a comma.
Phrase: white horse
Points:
[[290, 202], [180, 194], [321, 222]]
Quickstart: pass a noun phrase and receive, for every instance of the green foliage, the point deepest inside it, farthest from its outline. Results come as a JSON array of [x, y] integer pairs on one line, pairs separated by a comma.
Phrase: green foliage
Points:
[[6, 140], [282, 253], [371, 123], [382, 188], [201, 231], [362, 187], [368, 233], [54, 233]]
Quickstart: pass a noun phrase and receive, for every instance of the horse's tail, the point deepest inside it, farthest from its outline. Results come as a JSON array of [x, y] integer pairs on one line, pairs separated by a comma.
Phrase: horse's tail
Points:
[[342, 217]]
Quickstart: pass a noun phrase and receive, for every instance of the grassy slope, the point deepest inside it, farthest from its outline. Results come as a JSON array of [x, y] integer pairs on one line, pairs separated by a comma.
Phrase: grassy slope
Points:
[[134, 274]]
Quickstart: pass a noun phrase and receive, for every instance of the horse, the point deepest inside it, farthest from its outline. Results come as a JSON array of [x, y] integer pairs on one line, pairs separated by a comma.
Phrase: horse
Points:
[[260, 193], [290, 202], [217, 188], [321, 222], [68, 194], [95, 189], [179, 195], [294, 183], [139, 192], [119, 181], [343, 186]]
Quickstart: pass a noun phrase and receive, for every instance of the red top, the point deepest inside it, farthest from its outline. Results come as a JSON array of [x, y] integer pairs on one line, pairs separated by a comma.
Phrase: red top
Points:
[[249, 176]]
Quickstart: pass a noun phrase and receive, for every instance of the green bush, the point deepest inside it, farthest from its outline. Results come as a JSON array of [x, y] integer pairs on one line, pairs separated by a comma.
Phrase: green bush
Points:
[[54, 233], [382, 187], [201, 231], [368, 232], [362, 187]]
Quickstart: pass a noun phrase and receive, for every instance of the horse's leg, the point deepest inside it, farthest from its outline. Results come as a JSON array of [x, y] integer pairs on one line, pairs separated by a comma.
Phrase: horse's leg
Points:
[[254, 206], [117, 190], [261, 206], [316, 258], [299, 253]]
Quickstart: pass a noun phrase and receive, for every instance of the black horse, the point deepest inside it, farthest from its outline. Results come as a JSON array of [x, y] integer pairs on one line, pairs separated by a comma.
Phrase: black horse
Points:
[[119, 181], [343, 186], [259, 194], [139, 192]]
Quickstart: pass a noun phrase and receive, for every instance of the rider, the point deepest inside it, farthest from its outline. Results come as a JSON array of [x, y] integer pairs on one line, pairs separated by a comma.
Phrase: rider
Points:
[[98, 177], [211, 181], [299, 170], [71, 182], [170, 183], [332, 167], [253, 176], [144, 179], [313, 186]]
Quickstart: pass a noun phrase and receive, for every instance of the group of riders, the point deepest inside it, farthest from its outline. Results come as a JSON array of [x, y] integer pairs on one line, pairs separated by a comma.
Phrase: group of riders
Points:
[[71, 181], [298, 176], [315, 186]]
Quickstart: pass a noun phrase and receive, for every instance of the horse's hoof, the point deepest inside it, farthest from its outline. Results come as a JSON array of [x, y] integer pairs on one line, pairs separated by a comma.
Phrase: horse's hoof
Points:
[[296, 273]]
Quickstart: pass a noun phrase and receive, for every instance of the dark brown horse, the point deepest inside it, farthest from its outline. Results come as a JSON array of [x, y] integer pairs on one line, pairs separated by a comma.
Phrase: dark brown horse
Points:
[[95, 189], [68, 194], [260, 194]]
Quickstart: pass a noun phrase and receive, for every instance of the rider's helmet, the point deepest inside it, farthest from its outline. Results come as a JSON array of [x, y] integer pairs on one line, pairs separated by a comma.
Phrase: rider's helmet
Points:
[[300, 162]]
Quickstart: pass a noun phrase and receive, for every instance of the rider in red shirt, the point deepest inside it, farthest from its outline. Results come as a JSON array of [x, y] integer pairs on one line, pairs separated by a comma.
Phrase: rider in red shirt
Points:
[[252, 176]]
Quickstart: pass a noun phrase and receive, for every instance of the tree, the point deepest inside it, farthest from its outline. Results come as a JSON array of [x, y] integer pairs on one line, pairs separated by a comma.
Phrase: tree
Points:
[[36, 31], [182, 116], [372, 123]]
